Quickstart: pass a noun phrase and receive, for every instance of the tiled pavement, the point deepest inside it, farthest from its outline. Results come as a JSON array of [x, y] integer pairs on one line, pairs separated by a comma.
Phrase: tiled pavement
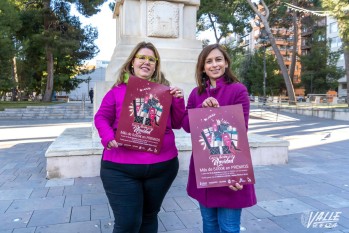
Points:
[[315, 179]]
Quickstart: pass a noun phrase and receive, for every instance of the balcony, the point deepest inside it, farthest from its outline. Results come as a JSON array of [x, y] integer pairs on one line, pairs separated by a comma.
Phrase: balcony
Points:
[[306, 32]]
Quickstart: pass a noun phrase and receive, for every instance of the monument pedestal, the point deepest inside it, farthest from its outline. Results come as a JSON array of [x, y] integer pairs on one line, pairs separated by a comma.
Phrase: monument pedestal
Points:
[[75, 154]]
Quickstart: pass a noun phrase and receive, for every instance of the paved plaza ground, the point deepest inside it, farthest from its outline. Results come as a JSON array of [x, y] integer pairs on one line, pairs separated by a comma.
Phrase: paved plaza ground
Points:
[[292, 198]]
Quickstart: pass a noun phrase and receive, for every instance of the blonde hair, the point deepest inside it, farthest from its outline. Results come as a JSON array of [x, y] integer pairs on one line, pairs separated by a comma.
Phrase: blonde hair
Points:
[[126, 69]]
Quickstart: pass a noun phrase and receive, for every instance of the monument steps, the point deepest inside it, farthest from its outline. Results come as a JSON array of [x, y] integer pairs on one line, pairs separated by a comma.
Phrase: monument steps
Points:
[[58, 111]]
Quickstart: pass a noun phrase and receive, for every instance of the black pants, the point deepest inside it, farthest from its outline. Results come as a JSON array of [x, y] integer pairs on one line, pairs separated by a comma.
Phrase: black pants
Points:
[[136, 192]]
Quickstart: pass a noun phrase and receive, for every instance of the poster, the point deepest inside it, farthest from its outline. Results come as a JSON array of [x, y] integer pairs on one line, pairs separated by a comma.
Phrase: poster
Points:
[[144, 114], [220, 146]]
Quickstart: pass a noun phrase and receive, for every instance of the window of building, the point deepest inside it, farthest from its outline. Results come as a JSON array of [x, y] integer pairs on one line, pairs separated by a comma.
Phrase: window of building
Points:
[[335, 42], [341, 57], [339, 42], [344, 86], [296, 79], [333, 27]]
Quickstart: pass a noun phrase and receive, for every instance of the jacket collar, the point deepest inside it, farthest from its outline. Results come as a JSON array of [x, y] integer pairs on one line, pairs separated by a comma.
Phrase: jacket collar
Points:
[[219, 82]]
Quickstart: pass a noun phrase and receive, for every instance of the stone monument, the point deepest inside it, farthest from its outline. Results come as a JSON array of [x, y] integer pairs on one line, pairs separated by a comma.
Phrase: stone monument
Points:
[[169, 25]]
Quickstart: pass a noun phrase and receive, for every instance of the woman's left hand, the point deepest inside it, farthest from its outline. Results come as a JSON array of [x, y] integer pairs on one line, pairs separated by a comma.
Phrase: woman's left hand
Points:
[[176, 92], [236, 187]]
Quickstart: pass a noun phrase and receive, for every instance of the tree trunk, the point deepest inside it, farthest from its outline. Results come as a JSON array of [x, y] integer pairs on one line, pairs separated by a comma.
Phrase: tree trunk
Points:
[[295, 44], [279, 58], [346, 62], [15, 79], [48, 53], [49, 81]]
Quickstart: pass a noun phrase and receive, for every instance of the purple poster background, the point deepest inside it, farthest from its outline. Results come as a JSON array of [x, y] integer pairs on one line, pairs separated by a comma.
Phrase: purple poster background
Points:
[[220, 146], [144, 115]]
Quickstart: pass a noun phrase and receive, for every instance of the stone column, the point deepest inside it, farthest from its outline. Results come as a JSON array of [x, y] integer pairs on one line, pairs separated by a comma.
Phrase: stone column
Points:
[[169, 25]]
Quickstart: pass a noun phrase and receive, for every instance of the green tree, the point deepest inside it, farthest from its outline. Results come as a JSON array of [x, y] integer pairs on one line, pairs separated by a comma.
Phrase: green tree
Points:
[[283, 17], [264, 17], [9, 23], [223, 17], [339, 9], [321, 74], [59, 36], [249, 68]]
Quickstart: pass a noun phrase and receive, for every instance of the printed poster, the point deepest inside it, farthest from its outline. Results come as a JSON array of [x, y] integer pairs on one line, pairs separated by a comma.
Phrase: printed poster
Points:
[[144, 114], [220, 146]]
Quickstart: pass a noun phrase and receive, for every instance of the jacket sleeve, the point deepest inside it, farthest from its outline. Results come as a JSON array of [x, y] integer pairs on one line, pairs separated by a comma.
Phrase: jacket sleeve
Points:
[[243, 98], [177, 112], [191, 104], [105, 118]]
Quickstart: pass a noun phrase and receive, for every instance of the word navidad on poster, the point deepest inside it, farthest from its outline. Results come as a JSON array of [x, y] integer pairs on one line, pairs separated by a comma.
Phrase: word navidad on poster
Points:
[[220, 146], [144, 114]]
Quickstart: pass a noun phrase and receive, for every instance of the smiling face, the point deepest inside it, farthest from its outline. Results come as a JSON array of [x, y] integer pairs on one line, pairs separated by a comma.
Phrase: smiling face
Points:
[[215, 65], [143, 63]]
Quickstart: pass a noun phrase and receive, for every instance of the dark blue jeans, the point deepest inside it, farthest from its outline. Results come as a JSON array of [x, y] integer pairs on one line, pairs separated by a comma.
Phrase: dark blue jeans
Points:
[[136, 192], [220, 220]]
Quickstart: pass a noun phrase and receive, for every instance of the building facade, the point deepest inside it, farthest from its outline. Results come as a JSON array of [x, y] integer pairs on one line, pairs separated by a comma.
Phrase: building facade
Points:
[[336, 45], [284, 41]]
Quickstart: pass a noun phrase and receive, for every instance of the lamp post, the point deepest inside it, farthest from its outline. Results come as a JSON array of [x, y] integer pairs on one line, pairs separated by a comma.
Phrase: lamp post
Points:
[[264, 72], [263, 39]]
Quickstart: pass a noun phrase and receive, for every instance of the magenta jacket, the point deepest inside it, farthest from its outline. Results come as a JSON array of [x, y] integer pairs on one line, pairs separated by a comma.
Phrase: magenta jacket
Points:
[[226, 94], [106, 121]]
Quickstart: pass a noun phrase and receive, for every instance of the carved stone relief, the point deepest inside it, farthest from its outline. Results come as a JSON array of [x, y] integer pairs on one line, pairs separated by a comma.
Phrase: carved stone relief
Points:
[[162, 19]]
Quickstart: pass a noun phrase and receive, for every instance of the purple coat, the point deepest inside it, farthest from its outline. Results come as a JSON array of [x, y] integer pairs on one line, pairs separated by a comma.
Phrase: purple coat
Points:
[[106, 121], [226, 94]]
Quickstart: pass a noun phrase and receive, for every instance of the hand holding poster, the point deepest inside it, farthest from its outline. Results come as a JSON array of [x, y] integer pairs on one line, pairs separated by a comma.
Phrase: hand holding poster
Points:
[[144, 114], [220, 146]]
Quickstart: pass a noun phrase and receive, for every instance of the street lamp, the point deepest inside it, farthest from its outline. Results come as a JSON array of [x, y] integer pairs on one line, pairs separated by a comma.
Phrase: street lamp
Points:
[[263, 39], [264, 72]]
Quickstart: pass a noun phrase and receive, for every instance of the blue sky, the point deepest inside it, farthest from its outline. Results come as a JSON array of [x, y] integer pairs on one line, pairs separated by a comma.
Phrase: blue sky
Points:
[[106, 26]]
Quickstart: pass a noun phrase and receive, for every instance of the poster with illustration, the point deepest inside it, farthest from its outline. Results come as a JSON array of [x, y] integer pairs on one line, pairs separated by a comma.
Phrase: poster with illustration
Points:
[[144, 114], [220, 146]]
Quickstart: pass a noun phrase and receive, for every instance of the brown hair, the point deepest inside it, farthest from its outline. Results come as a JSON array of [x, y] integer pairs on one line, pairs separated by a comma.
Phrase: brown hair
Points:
[[201, 76], [126, 68]]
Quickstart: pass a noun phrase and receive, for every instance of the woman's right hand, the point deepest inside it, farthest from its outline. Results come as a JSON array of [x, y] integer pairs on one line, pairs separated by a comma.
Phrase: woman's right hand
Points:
[[112, 144], [210, 102]]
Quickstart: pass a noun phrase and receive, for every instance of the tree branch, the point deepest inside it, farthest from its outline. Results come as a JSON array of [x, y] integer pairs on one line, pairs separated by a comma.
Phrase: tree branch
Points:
[[30, 3], [266, 9]]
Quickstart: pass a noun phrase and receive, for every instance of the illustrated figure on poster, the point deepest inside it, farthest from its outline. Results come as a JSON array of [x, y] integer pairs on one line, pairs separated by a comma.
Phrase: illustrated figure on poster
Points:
[[146, 110], [219, 138]]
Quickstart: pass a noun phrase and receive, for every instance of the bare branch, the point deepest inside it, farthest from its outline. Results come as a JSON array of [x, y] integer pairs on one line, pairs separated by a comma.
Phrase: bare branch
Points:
[[266, 9]]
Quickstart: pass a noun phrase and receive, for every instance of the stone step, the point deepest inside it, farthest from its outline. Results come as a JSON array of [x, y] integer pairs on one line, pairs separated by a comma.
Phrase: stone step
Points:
[[59, 111]]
